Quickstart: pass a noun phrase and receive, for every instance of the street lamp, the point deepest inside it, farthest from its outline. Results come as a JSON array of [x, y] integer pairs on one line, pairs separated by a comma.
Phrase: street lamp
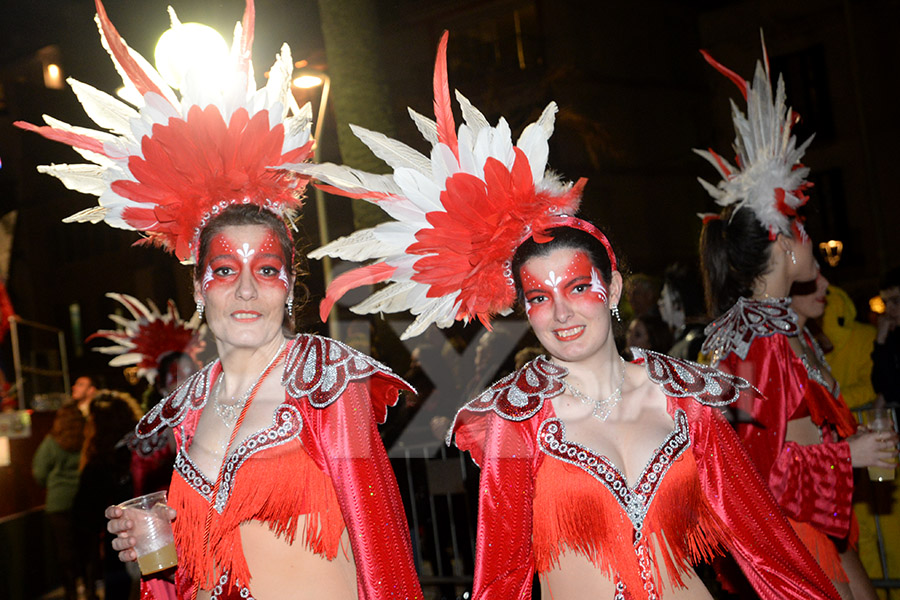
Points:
[[190, 46], [310, 79]]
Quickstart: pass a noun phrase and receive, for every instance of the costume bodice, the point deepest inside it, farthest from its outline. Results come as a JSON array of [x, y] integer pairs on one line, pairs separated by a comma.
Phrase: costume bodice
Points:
[[291, 475], [584, 504]]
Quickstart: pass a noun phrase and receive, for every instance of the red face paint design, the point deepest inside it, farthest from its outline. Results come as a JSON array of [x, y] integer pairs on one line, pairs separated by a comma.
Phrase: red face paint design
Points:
[[578, 282], [228, 257]]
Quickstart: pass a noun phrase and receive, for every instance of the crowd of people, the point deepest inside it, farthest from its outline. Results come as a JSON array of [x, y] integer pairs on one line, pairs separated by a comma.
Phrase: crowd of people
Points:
[[725, 442]]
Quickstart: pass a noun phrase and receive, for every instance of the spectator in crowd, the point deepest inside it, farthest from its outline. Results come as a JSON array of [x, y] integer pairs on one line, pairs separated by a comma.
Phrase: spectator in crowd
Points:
[[649, 332], [55, 467], [851, 346], [886, 354], [682, 307], [83, 391], [106, 479]]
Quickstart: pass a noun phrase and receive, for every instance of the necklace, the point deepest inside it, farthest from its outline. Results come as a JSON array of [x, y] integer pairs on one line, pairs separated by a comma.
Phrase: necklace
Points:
[[602, 408], [229, 412]]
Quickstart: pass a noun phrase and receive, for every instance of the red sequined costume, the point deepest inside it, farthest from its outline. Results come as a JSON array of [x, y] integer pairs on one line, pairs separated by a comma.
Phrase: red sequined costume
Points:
[[322, 457], [813, 484], [702, 499]]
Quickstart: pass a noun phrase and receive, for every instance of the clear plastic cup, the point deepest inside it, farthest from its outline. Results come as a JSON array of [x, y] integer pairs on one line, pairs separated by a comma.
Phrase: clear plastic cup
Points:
[[155, 545], [880, 419]]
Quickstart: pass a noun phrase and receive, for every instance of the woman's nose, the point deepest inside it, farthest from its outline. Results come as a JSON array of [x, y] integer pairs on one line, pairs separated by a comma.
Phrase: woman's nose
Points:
[[246, 289], [562, 310]]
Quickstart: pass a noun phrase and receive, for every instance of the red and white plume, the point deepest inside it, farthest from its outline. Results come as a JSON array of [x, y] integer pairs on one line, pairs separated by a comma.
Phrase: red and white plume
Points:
[[149, 336], [769, 178], [459, 214], [167, 166]]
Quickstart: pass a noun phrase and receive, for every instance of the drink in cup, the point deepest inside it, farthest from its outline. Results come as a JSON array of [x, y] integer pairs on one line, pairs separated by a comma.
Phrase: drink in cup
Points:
[[155, 545], [880, 419]]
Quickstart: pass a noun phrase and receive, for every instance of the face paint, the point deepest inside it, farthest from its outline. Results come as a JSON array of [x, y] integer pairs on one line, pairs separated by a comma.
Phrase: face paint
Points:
[[228, 258], [579, 281]]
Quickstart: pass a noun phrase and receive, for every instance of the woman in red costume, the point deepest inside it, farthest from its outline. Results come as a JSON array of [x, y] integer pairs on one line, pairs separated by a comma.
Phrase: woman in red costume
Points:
[[566, 487], [753, 252], [282, 487]]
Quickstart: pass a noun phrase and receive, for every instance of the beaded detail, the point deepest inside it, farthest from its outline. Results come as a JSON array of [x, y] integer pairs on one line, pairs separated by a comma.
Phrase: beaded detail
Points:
[[286, 427], [813, 371], [748, 319], [635, 501], [685, 379], [316, 367]]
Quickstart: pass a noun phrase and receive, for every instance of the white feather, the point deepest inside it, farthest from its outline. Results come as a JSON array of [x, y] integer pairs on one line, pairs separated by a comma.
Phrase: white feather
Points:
[[105, 110], [471, 115], [81, 178], [394, 153], [359, 246], [426, 126], [95, 214]]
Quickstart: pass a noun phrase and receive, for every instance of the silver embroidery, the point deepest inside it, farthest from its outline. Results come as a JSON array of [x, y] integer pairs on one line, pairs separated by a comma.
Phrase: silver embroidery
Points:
[[748, 319]]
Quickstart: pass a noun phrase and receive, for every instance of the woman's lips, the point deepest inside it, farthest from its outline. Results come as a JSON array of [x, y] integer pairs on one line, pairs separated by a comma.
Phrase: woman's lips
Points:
[[245, 315], [568, 334]]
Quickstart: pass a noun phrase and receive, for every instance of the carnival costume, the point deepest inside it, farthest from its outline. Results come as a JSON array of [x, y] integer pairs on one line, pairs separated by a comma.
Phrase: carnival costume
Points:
[[166, 170], [142, 345], [813, 484], [459, 217], [323, 441]]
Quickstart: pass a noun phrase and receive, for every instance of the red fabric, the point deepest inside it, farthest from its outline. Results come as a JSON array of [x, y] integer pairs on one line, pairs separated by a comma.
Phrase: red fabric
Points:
[[776, 562], [573, 511], [342, 479], [811, 483]]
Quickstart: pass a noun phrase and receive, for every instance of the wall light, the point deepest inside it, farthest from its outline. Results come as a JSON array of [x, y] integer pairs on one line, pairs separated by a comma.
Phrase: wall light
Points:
[[832, 250]]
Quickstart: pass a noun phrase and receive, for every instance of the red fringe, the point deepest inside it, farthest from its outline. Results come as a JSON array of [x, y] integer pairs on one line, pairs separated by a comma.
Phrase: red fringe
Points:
[[822, 549], [260, 495], [572, 511]]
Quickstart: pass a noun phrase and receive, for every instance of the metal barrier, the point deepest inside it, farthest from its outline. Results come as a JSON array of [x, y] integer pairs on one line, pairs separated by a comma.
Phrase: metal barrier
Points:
[[439, 486]]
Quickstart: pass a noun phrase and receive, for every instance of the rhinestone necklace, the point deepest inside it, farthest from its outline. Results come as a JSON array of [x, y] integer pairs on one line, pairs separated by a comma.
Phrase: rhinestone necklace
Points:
[[229, 412], [602, 408]]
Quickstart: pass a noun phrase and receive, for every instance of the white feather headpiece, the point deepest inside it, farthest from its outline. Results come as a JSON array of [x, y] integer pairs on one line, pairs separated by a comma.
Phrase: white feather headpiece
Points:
[[769, 178], [167, 167], [458, 214]]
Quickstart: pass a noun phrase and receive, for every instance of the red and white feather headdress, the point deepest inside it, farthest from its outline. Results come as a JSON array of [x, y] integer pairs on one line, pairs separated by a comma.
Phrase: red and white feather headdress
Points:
[[459, 214], [768, 178], [167, 167], [149, 336]]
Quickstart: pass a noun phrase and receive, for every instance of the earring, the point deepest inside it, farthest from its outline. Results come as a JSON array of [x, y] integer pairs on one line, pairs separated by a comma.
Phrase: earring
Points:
[[793, 256], [200, 307], [615, 312], [290, 308]]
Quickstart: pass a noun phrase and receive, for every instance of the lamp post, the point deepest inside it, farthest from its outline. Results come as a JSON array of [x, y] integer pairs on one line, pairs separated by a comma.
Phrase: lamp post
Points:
[[309, 79]]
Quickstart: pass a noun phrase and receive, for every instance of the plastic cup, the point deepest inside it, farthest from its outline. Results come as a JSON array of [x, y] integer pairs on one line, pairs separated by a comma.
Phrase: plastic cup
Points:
[[880, 419], [155, 545]]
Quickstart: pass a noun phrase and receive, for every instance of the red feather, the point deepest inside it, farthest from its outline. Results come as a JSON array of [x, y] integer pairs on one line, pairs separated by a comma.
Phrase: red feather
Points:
[[247, 25], [375, 273], [119, 50], [443, 112], [66, 137], [737, 79]]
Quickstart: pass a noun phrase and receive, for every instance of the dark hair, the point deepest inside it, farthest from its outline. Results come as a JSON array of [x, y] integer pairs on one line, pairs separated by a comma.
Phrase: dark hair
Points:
[[734, 252], [659, 336], [686, 283], [252, 214], [68, 427], [113, 415], [891, 279], [563, 237]]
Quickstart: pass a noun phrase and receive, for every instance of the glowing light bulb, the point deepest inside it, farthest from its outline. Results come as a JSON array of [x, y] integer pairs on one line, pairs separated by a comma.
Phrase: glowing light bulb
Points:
[[190, 46]]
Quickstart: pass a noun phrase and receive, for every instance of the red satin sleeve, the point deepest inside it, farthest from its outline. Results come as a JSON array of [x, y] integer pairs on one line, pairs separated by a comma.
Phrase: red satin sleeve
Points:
[[812, 483], [770, 554], [505, 450], [344, 442]]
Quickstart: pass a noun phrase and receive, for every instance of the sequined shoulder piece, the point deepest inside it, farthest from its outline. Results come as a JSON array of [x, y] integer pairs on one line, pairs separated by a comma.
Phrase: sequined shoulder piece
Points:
[[685, 379], [745, 321], [320, 369], [173, 408], [521, 395]]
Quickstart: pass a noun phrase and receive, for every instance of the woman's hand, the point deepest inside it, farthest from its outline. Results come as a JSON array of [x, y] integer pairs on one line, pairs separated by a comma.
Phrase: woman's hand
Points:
[[873, 449], [123, 529]]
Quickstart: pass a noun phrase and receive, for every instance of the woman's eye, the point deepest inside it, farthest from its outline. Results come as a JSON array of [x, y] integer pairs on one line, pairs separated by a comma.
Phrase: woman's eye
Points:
[[580, 288], [268, 271], [223, 271], [535, 299]]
